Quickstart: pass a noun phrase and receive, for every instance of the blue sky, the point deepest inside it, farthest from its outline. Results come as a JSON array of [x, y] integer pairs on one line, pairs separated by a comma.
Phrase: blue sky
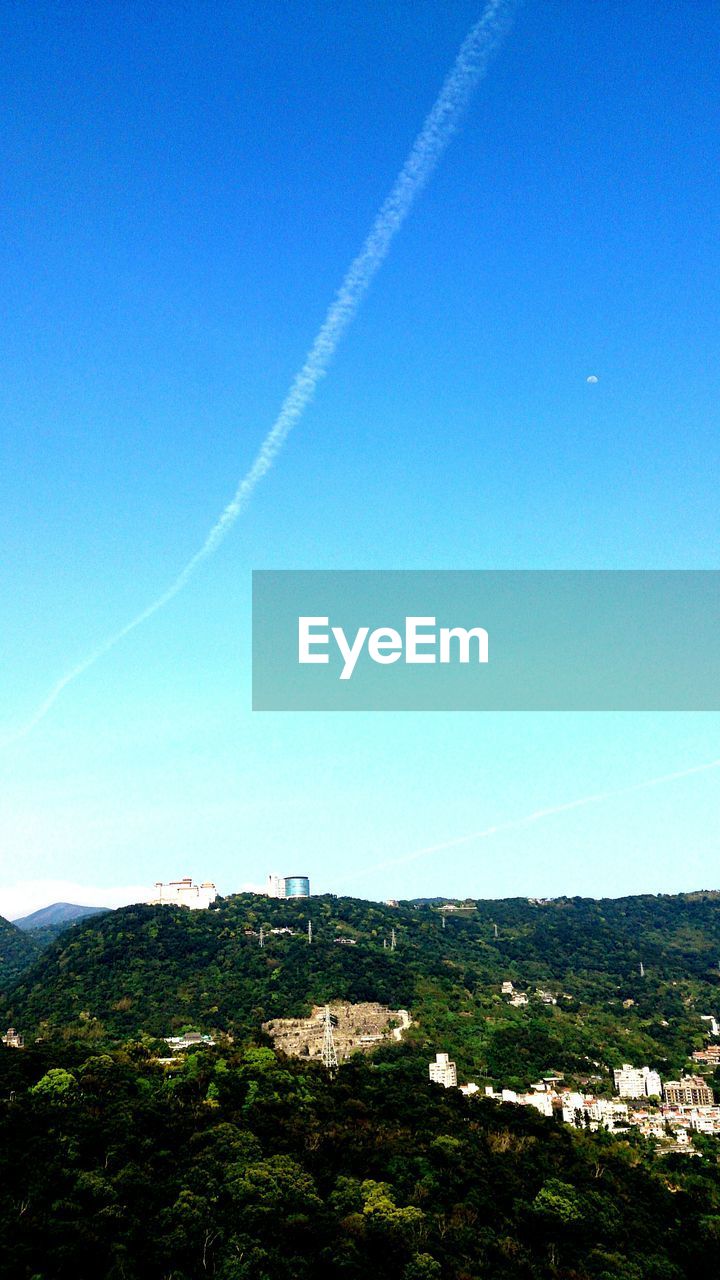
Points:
[[184, 189]]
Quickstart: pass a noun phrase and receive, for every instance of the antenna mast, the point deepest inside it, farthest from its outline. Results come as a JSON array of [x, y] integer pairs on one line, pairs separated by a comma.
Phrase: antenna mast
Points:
[[262, 936], [329, 1054], [309, 932]]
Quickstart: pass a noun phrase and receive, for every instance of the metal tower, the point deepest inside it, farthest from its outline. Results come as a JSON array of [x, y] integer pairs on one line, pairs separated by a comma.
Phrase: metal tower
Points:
[[329, 1054], [262, 936], [309, 931], [393, 940]]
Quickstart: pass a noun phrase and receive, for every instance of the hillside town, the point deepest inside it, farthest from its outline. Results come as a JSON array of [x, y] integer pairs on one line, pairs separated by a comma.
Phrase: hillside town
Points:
[[669, 1111]]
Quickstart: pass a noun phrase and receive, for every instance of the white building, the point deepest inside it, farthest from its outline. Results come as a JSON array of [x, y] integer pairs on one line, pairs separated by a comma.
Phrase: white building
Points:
[[190, 1040], [276, 886], [653, 1084], [542, 1102], [607, 1112], [546, 997], [183, 893], [637, 1082], [573, 1107], [443, 1071]]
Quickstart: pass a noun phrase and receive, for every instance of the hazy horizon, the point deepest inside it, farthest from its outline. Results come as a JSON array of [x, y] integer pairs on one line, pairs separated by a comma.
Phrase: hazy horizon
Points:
[[115, 897]]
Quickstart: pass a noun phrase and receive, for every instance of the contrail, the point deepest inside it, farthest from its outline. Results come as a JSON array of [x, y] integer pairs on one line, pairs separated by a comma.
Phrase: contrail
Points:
[[515, 824], [440, 125]]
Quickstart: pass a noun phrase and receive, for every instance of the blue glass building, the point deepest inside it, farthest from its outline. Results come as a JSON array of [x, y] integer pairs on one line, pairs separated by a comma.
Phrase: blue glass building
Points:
[[297, 887]]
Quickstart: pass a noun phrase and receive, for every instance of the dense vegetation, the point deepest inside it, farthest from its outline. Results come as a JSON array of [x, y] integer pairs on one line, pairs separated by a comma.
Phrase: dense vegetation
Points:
[[17, 952], [156, 970], [239, 1166]]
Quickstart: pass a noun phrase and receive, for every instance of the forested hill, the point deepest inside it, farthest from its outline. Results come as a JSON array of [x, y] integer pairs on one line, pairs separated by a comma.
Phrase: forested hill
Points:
[[237, 1165], [632, 977], [17, 952]]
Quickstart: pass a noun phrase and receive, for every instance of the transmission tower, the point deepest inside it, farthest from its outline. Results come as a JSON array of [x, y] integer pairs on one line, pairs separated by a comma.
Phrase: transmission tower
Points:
[[262, 936], [329, 1054], [443, 919], [309, 931], [642, 969], [496, 930], [393, 941]]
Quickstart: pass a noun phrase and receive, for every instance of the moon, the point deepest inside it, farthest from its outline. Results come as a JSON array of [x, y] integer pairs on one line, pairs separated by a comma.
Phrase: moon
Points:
[[592, 378]]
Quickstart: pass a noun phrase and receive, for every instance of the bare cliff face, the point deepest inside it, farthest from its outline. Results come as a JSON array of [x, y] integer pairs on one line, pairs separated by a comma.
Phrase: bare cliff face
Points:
[[356, 1027]]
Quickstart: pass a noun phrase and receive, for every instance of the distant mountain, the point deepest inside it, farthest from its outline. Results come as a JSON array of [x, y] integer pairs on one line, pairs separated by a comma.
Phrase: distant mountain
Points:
[[59, 913]]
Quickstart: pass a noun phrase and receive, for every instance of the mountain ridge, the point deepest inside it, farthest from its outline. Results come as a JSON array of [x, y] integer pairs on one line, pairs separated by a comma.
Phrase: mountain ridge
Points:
[[56, 913], [606, 980]]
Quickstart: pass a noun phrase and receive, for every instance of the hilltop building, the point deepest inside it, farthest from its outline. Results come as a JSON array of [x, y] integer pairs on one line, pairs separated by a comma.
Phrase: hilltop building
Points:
[[689, 1091], [637, 1082], [443, 1071], [288, 886], [183, 893], [12, 1040], [297, 887]]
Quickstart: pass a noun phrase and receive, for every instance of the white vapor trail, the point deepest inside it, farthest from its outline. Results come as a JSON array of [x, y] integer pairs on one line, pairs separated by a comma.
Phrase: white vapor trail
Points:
[[515, 824], [439, 127]]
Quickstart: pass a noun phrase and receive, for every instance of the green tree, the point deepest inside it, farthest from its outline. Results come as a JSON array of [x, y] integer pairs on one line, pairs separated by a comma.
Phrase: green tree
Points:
[[56, 1086], [422, 1267]]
